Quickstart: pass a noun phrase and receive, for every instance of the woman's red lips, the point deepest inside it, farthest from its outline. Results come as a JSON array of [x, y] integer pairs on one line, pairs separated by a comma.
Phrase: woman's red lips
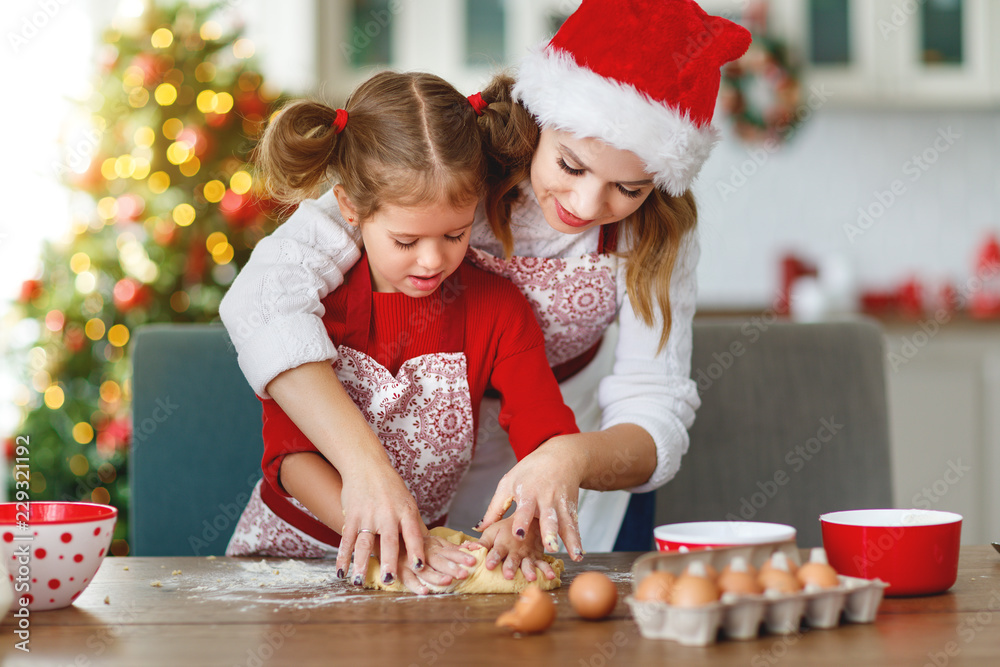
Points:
[[568, 218]]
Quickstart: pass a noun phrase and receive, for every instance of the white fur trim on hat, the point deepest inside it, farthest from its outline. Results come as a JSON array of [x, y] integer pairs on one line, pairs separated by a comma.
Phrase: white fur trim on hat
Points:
[[562, 94]]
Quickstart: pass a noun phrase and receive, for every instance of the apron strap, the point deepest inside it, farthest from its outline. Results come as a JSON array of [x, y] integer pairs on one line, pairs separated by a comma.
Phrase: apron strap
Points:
[[450, 299], [359, 305]]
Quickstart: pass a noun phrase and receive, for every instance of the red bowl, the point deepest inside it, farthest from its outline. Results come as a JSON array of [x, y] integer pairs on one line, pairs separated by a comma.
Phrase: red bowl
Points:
[[716, 534], [52, 550], [914, 551]]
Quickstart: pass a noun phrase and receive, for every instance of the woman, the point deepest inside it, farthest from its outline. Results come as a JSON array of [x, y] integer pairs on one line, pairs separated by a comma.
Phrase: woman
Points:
[[608, 126]]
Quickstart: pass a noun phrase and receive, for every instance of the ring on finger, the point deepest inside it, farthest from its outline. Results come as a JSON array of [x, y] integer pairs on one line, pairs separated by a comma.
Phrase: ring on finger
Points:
[[365, 530]]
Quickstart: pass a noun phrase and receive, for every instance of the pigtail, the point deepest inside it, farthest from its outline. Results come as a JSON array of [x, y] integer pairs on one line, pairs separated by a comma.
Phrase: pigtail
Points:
[[510, 137], [297, 153]]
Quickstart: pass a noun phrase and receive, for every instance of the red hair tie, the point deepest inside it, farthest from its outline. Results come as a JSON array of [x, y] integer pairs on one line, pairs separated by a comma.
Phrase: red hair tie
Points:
[[339, 121], [478, 103]]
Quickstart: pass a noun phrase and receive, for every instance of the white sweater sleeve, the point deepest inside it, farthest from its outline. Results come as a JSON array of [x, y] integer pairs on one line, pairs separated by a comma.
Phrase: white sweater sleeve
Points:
[[650, 389], [273, 309]]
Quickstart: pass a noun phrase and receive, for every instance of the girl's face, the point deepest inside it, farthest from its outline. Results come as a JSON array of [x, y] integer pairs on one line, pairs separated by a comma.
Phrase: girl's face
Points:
[[582, 183], [412, 249]]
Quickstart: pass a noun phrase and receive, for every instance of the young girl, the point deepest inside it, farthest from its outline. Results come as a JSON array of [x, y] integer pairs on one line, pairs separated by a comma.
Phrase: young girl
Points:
[[590, 213], [419, 334]]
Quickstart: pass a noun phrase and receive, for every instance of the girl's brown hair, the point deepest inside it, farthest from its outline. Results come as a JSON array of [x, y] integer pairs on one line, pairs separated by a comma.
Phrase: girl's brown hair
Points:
[[653, 233], [410, 138]]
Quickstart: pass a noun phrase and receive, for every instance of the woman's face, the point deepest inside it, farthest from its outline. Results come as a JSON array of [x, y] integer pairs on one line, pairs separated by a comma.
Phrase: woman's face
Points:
[[582, 183]]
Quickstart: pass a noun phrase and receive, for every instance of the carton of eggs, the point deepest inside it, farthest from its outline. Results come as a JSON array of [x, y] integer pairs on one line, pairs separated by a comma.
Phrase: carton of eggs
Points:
[[679, 596]]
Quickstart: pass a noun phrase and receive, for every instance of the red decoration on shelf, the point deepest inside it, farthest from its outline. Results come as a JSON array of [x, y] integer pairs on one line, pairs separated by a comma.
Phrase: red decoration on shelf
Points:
[[985, 303], [792, 268]]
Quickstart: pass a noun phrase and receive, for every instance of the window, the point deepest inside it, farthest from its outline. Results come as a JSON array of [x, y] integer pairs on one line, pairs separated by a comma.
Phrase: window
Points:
[[484, 32], [829, 32], [369, 42], [941, 32]]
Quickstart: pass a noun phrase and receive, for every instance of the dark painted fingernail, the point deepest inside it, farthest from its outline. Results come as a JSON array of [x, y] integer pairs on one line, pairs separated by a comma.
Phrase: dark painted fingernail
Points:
[[419, 565], [358, 580], [387, 578], [519, 532], [578, 553], [476, 527], [340, 573]]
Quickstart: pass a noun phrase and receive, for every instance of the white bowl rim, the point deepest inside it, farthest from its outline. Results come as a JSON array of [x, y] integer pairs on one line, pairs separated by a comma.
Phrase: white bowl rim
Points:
[[889, 518], [733, 532]]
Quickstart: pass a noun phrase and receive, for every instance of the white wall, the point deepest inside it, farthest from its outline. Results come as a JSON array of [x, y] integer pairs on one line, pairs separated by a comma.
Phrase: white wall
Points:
[[801, 197]]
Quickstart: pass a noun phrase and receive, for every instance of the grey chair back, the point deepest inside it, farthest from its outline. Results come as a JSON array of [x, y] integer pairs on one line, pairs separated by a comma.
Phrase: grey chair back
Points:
[[793, 423], [197, 442]]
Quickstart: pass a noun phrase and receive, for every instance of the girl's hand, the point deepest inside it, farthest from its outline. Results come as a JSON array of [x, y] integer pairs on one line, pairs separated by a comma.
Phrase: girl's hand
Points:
[[444, 564], [544, 484], [378, 507], [515, 553]]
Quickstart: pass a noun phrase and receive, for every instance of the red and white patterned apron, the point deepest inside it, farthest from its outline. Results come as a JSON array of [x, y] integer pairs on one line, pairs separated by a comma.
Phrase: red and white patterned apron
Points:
[[422, 416], [575, 300]]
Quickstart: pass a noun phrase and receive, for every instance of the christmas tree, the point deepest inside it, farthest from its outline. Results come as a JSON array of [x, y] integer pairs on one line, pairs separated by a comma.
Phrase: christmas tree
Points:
[[171, 212]]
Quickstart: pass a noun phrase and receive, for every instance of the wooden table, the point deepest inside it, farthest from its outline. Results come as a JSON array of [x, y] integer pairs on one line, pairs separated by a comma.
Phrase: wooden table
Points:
[[203, 611]]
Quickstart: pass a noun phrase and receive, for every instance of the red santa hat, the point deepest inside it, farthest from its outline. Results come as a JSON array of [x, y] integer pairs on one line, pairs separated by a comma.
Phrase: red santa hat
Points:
[[642, 75]]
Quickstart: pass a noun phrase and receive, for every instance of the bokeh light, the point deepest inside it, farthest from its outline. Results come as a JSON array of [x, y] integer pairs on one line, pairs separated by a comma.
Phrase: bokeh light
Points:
[[94, 328], [79, 262], [180, 301], [183, 214], [159, 181], [214, 191], [144, 136], [240, 182], [166, 94], [162, 38], [172, 127], [118, 335], [243, 48], [79, 464], [54, 397], [83, 433]]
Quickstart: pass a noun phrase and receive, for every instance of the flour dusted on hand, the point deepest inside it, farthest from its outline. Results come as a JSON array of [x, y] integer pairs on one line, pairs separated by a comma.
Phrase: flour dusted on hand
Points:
[[480, 580]]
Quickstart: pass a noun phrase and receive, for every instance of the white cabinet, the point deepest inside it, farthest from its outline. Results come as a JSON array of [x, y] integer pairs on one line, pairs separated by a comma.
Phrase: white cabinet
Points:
[[463, 41], [944, 402], [935, 53]]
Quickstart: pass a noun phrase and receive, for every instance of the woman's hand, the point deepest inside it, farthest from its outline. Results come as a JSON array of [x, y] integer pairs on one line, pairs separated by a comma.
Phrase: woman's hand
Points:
[[544, 484], [378, 506], [515, 553]]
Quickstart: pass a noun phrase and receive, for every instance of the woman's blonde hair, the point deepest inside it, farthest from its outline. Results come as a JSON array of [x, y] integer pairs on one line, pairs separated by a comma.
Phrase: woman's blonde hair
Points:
[[653, 233], [410, 139]]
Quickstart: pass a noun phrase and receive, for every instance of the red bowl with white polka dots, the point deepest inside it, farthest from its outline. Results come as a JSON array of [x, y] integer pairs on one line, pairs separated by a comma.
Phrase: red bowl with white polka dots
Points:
[[53, 549]]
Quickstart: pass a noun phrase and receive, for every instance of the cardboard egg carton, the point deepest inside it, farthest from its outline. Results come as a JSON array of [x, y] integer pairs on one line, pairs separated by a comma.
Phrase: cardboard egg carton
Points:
[[856, 600]]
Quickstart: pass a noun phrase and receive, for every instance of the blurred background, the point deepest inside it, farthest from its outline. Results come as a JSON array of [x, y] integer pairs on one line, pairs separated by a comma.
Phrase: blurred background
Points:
[[858, 174]]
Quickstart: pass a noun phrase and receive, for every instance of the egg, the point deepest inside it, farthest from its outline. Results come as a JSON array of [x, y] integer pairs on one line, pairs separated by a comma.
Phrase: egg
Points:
[[776, 576], [694, 588], [739, 578], [818, 573], [780, 560], [533, 612], [593, 595], [656, 586]]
